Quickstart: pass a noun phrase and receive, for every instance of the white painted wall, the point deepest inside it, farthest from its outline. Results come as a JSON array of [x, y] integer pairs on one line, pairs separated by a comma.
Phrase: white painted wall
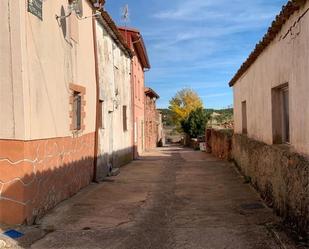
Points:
[[115, 91], [286, 60]]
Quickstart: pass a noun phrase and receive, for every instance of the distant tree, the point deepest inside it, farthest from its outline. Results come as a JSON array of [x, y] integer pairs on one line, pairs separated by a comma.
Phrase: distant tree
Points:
[[183, 103], [167, 117], [225, 115], [194, 125]]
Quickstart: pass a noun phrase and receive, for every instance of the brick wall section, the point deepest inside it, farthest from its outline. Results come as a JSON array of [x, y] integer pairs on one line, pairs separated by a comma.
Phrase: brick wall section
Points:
[[280, 175], [219, 143], [36, 175], [151, 126]]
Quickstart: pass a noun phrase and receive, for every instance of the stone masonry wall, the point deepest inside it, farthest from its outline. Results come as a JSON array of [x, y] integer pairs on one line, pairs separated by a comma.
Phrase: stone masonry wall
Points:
[[151, 126], [279, 174], [36, 175]]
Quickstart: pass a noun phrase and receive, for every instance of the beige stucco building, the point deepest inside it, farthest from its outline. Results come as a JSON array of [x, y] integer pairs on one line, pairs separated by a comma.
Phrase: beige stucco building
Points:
[[47, 105], [115, 107], [283, 63], [271, 112]]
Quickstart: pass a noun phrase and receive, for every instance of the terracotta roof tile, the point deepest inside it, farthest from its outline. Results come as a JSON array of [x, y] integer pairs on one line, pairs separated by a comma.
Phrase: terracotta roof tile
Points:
[[107, 18], [139, 44], [149, 91]]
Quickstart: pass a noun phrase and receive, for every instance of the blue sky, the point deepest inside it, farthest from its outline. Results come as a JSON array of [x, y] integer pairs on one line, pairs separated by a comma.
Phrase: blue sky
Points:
[[197, 43]]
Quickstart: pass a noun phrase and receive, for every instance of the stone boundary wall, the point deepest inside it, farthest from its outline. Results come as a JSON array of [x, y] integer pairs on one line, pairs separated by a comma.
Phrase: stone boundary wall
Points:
[[280, 175], [37, 175], [219, 143]]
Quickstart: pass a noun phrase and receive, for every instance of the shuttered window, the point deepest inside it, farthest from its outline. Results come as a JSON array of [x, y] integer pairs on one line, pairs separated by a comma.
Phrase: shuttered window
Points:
[[77, 111], [244, 117], [124, 116]]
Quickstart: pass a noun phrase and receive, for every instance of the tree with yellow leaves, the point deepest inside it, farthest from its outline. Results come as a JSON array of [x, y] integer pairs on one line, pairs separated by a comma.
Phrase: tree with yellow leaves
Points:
[[183, 103]]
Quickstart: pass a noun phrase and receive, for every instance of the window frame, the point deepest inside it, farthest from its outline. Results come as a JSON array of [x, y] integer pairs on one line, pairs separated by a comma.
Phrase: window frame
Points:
[[77, 111], [125, 118], [281, 114], [244, 117]]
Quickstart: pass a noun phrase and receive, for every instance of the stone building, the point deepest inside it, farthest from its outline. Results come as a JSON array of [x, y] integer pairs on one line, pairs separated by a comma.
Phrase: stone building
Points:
[[161, 135], [140, 64], [271, 112], [115, 120], [151, 119]]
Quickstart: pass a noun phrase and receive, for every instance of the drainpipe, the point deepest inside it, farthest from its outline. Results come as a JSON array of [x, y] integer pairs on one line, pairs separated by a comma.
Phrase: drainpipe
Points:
[[97, 125]]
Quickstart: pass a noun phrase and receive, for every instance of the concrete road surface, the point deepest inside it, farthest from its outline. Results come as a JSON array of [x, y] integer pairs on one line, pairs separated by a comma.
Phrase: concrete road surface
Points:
[[172, 198]]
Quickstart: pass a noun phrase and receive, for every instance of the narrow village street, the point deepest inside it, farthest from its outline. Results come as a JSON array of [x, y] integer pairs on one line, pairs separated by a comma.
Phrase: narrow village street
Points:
[[154, 124], [171, 198]]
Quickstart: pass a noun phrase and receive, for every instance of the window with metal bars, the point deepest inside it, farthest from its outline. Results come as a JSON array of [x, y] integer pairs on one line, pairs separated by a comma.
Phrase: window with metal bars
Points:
[[77, 110], [125, 119]]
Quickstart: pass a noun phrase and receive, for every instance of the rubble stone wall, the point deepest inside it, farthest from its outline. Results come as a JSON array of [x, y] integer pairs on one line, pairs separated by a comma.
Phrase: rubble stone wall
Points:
[[279, 174]]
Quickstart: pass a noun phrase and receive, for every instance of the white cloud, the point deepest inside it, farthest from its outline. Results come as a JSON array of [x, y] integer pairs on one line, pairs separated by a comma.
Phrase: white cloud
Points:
[[201, 43], [236, 10]]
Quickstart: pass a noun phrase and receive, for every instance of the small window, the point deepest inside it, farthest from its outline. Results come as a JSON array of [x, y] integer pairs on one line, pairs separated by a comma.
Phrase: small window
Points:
[[280, 114], [124, 116], [244, 117], [77, 107], [101, 115]]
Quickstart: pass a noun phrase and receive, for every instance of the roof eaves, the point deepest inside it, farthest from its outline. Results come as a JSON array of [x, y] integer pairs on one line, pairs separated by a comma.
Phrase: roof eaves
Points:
[[149, 91], [287, 11], [140, 40], [116, 34]]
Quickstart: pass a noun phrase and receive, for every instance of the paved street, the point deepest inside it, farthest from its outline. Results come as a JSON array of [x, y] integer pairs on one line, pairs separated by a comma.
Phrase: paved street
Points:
[[172, 198]]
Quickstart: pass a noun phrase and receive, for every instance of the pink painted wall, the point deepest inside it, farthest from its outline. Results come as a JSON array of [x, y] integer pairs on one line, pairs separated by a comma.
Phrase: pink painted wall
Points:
[[138, 96], [139, 105]]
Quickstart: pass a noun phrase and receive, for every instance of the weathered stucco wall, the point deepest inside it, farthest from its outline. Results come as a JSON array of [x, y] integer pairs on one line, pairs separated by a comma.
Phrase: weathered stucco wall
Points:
[[55, 57], [280, 175], [115, 144], [38, 62], [151, 125], [285, 60], [42, 160], [139, 105], [137, 87], [11, 68]]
